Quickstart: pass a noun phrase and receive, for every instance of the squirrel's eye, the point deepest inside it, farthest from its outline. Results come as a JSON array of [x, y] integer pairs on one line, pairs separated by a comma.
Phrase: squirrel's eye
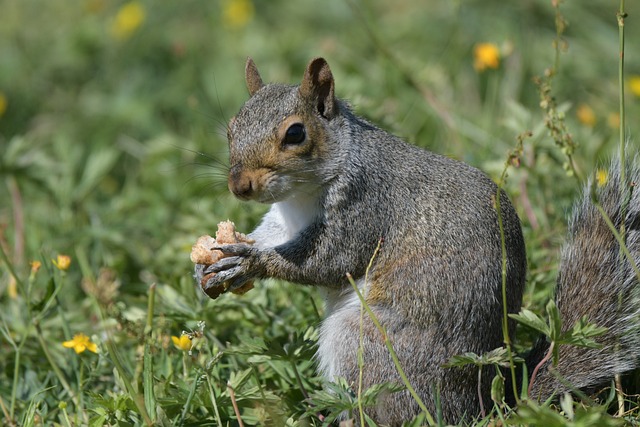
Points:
[[295, 134]]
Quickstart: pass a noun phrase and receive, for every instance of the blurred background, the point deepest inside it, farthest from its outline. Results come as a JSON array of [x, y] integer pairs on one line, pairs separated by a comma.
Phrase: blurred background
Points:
[[106, 106], [113, 116]]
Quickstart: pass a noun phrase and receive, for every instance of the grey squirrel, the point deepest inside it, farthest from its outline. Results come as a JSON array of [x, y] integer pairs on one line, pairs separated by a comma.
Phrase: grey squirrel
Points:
[[337, 185]]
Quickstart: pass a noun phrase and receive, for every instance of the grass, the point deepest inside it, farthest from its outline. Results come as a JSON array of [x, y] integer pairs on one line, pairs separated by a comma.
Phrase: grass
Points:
[[112, 134]]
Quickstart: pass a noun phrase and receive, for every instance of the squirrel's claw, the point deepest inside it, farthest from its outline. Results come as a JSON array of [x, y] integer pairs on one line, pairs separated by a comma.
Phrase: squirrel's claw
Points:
[[239, 249], [236, 276], [202, 270], [222, 265], [237, 282]]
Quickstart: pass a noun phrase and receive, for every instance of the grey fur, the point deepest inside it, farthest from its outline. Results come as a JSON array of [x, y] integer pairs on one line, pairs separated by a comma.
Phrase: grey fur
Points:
[[436, 283], [597, 281]]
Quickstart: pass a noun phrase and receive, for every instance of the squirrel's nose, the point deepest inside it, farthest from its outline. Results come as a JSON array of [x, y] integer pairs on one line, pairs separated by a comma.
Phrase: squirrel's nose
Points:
[[240, 184]]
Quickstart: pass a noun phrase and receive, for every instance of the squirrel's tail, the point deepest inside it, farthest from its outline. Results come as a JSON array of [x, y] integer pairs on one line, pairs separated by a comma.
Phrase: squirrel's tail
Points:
[[597, 280]]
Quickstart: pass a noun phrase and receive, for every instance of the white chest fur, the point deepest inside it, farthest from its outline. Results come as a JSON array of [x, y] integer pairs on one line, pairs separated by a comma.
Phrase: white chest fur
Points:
[[297, 213], [285, 220]]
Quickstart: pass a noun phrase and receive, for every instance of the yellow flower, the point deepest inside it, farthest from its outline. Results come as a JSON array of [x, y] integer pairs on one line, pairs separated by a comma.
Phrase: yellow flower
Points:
[[183, 343], [80, 343], [3, 104], [237, 13], [62, 262], [585, 115], [634, 85], [486, 55], [129, 17], [602, 176], [35, 266]]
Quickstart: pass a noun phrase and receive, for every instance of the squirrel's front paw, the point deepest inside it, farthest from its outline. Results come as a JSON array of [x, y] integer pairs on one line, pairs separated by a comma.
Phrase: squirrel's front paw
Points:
[[234, 270]]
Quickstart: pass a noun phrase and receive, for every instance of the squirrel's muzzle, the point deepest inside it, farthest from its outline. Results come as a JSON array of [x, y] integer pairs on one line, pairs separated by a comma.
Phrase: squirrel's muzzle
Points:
[[246, 184], [240, 183]]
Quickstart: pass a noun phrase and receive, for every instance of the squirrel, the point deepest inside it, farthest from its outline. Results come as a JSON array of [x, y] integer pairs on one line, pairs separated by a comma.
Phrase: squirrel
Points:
[[338, 186]]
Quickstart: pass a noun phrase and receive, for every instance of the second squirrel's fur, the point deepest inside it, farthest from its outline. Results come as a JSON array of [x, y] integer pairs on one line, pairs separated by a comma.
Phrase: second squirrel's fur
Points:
[[596, 280], [339, 185]]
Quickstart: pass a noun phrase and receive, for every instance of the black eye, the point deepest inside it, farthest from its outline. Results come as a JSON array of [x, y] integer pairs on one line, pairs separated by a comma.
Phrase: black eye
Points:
[[295, 134]]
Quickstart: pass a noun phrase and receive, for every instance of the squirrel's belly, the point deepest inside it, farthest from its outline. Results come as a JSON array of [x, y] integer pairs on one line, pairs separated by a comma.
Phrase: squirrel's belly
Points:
[[342, 309]]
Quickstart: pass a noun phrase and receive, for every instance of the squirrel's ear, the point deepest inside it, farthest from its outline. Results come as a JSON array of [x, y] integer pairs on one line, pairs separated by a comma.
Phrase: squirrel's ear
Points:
[[317, 85], [252, 76]]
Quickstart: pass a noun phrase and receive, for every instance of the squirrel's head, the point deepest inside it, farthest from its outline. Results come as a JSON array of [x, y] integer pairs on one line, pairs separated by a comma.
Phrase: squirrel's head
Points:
[[278, 141]]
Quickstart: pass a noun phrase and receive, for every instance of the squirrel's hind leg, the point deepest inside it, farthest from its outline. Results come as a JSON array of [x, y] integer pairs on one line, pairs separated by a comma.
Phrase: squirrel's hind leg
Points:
[[343, 332]]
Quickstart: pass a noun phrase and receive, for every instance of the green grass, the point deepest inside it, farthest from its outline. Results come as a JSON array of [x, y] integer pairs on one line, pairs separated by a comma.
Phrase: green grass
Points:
[[113, 151]]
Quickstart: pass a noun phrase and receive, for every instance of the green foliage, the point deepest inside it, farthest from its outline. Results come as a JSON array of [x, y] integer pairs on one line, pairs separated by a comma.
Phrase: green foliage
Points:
[[113, 151], [580, 334], [496, 357], [338, 398], [571, 415]]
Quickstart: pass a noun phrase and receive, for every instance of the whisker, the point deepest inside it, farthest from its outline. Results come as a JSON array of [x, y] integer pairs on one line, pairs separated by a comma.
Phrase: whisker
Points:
[[196, 152], [215, 85], [217, 178], [211, 187], [215, 165]]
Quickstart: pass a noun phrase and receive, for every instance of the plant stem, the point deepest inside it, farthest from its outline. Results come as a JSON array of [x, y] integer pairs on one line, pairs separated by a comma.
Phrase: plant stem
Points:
[[16, 366], [618, 237], [80, 408], [623, 173], [54, 366], [483, 413], [361, 337], [6, 413], [184, 365], [513, 156], [147, 368], [150, 309], [621, 17], [544, 360], [14, 388], [66, 416], [361, 365], [232, 395], [296, 373], [392, 353]]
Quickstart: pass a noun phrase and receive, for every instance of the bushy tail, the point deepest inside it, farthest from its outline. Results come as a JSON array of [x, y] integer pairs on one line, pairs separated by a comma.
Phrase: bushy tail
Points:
[[597, 280]]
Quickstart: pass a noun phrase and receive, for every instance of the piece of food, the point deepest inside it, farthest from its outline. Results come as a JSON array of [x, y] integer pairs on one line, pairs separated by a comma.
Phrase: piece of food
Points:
[[203, 253]]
